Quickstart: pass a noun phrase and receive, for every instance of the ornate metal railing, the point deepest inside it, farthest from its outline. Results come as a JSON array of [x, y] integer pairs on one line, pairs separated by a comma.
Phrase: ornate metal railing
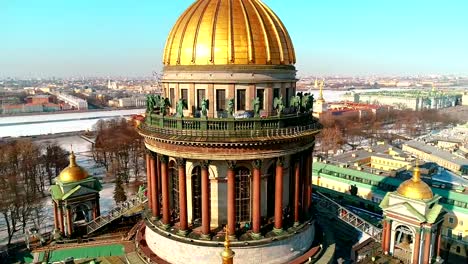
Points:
[[348, 217], [189, 123], [119, 210], [230, 128]]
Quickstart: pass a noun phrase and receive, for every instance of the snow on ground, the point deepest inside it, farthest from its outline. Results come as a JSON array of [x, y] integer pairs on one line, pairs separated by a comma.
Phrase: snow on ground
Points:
[[81, 148]]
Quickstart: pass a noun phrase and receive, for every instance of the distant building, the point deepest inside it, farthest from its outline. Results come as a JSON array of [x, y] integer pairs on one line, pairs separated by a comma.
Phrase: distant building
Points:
[[128, 102], [411, 99], [441, 157], [465, 98], [74, 101]]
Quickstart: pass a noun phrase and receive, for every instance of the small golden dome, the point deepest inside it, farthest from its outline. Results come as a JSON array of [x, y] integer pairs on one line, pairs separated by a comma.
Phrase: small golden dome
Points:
[[415, 188], [73, 172], [224, 32]]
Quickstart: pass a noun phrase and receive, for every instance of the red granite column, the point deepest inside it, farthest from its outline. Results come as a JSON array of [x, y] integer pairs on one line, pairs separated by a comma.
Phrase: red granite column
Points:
[[154, 189], [427, 245], [148, 180], [183, 219], [297, 177], [388, 236], [417, 245], [205, 193], [56, 216], [231, 199], [98, 206], [279, 195], [69, 222], [60, 215], [257, 198], [158, 175], [439, 237], [309, 179], [384, 235], [94, 210], [165, 191]]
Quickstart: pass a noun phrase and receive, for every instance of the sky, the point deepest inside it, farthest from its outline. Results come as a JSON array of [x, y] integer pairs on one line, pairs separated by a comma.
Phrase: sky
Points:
[[65, 38]]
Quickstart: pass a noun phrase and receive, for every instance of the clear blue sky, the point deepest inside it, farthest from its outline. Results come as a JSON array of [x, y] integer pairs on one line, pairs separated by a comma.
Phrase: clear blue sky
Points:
[[126, 37]]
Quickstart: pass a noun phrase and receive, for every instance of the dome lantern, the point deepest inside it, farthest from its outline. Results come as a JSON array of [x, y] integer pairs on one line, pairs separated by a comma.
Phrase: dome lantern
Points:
[[415, 188], [73, 172]]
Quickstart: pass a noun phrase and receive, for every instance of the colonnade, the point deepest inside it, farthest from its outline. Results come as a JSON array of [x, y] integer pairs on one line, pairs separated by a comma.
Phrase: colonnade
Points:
[[158, 185]]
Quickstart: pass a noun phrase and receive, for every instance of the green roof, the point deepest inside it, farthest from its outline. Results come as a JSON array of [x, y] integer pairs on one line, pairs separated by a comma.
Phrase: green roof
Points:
[[433, 214], [318, 166], [448, 194], [87, 252], [56, 192]]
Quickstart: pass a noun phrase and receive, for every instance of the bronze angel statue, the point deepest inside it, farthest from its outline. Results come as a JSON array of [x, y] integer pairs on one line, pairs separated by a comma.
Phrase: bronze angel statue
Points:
[[278, 104]]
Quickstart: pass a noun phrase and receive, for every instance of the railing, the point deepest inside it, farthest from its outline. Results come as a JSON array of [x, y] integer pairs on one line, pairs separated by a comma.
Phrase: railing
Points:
[[222, 134], [188, 123], [348, 217], [119, 210], [455, 239]]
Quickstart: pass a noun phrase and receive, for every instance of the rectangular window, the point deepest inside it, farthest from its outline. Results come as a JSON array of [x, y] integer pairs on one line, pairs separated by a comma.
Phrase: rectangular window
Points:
[[261, 96], [287, 97], [220, 100], [240, 100], [184, 94], [172, 96], [451, 220], [276, 93], [449, 233], [200, 97]]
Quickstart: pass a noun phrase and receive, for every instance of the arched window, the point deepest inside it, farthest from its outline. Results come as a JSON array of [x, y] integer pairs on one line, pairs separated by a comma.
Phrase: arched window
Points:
[[174, 190], [196, 194], [242, 194]]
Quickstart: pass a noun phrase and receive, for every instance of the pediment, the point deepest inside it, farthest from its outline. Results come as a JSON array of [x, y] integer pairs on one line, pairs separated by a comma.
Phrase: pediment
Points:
[[405, 209], [77, 192]]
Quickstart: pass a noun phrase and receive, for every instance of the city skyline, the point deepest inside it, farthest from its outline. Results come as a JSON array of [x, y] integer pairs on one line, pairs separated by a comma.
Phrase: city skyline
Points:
[[123, 38]]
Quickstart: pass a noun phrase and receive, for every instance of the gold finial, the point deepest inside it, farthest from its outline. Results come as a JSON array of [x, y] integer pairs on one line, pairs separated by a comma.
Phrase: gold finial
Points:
[[316, 83], [416, 172], [72, 160], [227, 254]]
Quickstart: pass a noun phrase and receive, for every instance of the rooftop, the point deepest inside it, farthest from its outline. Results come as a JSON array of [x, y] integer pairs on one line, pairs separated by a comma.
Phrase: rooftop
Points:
[[436, 152]]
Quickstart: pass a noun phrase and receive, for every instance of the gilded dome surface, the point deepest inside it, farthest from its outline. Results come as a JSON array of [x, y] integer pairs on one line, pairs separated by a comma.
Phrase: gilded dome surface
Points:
[[415, 188], [224, 32], [73, 172]]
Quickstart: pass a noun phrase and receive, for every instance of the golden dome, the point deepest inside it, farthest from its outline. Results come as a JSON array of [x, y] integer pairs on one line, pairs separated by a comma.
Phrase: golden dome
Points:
[[223, 32], [415, 188], [73, 172]]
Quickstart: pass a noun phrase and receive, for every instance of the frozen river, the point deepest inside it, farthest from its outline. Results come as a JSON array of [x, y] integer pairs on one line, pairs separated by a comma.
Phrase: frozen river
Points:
[[33, 125]]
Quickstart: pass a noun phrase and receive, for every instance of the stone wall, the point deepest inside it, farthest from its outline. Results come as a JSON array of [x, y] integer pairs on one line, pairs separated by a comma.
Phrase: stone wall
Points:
[[276, 252]]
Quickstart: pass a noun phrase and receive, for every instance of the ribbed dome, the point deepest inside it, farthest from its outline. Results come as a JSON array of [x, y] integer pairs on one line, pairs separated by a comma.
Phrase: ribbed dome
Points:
[[223, 32], [415, 188], [73, 172]]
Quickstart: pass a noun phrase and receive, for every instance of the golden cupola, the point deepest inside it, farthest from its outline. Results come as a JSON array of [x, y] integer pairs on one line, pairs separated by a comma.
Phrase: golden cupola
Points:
[[226, 32], [73, 172], [415, 188]]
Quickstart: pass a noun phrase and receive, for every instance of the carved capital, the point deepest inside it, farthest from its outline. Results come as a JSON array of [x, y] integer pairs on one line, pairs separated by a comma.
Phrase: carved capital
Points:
[[205, 164], [257, 164], [163, 158], [280, 161], [231, 164], [181, 162]]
